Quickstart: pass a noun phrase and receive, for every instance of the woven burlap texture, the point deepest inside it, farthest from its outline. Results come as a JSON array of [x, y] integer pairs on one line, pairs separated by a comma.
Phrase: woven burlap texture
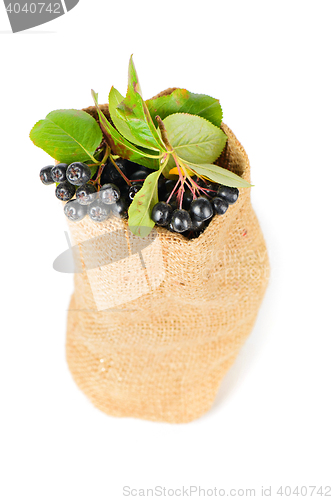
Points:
[[154, 341]]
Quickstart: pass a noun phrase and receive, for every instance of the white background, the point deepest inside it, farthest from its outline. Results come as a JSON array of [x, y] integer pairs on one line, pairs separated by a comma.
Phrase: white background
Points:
[[270, 64]]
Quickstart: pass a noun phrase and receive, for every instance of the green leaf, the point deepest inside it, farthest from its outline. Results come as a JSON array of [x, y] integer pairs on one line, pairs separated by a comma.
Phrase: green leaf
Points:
[[93, 170], [139, 221], [193, 138], [119, 145], [134, 113], [67, 135], [121, 125], [218, 174], [183, 101]]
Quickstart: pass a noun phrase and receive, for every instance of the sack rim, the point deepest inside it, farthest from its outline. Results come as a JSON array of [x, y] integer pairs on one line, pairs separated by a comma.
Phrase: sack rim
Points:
[[163, 232]]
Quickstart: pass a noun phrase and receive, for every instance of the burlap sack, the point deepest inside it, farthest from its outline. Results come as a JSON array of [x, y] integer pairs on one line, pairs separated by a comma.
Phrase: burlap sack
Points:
[[152, 332]]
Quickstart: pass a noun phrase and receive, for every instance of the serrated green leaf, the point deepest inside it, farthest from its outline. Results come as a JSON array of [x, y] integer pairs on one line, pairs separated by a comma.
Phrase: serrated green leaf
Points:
[[119, 145], [193, 138], [183, 101], [67, 135], [218, 174], [139, 221], [135, 115]]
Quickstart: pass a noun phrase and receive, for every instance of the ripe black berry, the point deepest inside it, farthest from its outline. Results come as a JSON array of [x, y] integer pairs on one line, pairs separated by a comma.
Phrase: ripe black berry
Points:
[[229, 194], [220, 205], [168, 186], [212, 189], [110, 174], [181, 221], [201, 182], [161, 213], [78, 173], [170, 227], [109, 194], [65, 191], [98, 211], [141, 173], [134, 189], [58, 172], [130, 165], [74, 211], [201, 208], [197, 223], [165, 188], [124, 188], [187, 199], [161, 182], [173, 202], [45, 175], [119, 208], [86, 194]]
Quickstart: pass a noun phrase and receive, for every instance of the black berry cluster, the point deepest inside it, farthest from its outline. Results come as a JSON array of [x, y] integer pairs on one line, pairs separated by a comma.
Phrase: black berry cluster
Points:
[[191, 213], [67, 177], [109, 191], [112, 189]]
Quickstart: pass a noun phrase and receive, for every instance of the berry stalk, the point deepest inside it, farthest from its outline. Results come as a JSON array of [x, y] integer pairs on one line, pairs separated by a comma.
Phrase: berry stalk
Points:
[[100, 168], [128, 182]]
